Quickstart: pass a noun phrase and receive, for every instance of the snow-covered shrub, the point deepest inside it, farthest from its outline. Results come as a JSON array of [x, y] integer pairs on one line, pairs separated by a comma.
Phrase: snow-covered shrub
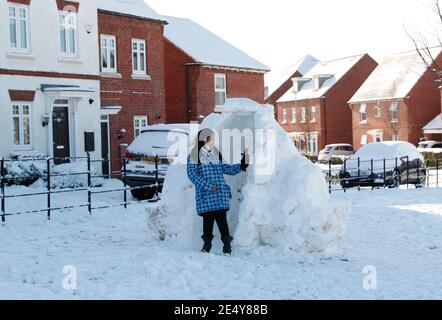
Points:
[[71, 175], [24, 172]]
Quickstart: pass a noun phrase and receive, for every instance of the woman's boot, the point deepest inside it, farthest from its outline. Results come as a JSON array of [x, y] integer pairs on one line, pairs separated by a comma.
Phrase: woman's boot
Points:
[[227, 249], [207, 243]]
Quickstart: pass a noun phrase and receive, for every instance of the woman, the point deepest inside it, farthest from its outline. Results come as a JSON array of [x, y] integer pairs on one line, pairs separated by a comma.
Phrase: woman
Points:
[[205, 169]]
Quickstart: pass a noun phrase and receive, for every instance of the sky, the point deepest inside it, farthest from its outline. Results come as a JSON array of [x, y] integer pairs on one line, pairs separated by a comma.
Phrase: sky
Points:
[[280, 32]]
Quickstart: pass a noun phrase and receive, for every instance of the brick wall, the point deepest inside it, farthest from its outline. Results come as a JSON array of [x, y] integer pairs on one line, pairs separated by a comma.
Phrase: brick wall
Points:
[[137, 97], [338, 119]]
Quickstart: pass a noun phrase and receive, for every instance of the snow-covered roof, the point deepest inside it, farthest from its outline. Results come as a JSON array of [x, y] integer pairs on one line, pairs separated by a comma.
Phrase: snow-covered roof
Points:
[[207, 48], [394, 78], [435, 124], [137, 8], [275, 79], [336, 68]]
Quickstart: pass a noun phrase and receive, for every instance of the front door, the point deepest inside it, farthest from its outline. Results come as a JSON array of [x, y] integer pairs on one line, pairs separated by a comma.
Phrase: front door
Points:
[[105, 144], [60, 129]]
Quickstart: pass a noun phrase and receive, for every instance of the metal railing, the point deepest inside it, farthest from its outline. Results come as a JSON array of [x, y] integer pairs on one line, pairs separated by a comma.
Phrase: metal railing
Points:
[[383, 173], [50, 192]]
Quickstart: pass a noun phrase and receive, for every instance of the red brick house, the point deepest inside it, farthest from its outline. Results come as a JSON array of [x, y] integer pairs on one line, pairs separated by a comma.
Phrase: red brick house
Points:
[[315, 110], [202, 70], [398, 99], [278, 84], [433, 130], [133, 94]]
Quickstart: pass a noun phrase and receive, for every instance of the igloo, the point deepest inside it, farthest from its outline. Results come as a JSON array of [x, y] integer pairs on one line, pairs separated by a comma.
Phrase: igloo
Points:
[[281, 201]]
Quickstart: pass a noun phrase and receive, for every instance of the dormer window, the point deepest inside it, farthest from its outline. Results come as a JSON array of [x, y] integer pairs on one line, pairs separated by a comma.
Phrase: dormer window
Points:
[[320, 79], [298, 83]]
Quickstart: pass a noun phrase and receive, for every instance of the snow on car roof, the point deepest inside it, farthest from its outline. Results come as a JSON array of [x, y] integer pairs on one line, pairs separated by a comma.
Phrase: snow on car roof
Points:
[[335, 68], [394, 78], [138, 8], [387, 150], [207, 48]]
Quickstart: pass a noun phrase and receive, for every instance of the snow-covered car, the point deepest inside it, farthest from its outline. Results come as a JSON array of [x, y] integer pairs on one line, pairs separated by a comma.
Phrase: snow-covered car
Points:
[[152, 150], [430, 146], [341, 150], [388, 164]]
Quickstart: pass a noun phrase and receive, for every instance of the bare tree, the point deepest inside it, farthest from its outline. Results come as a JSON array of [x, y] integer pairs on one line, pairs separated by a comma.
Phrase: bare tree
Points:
[[423, 42]]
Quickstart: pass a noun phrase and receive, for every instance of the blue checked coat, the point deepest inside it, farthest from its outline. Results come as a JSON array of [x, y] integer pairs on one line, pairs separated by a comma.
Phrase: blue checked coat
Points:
[[206, 175]]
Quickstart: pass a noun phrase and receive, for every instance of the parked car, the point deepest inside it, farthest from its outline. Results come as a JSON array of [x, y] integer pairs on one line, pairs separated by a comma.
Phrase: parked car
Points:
[[384, 164], [430, 146], [340, 150], [141, 157]]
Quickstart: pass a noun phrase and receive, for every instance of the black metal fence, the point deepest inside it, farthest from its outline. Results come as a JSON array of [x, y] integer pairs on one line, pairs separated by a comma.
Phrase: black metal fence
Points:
[[50, 192], [382, 173]]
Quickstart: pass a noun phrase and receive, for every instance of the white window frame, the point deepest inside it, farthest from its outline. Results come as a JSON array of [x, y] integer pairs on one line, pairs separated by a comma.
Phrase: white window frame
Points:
[[67, 27], [395, 136], [138, 70], [364, 139], [313, 114], [377, 110], [363, 113], [312, 142], [18, 35], [21, 117], [394, 112], [293, 120], [304, 114], [284, 116], [137, 128], [379, 136], [222, 90], [107, 48]]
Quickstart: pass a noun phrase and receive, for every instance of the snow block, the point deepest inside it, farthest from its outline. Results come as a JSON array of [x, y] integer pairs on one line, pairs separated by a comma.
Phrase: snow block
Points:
[[282, 201]]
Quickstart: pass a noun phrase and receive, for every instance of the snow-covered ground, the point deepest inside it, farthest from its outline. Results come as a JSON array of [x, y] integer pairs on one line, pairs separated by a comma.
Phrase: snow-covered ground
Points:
[[397, 233]]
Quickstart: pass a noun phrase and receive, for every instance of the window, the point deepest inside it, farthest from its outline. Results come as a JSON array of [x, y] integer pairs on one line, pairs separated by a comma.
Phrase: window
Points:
[[139, 57], [108, 54], [363, 113], [394, 136], [18, 28], [313, 114], [68, 34], [364, 139], [140, 122], [21, 124], [393, 112], [313, 144], [303, 114], [220, 89], [293, 115], [377, 110], [284, 116], [379, 137]]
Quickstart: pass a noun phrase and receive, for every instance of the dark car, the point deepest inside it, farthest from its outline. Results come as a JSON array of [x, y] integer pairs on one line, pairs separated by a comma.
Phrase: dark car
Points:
[[388, 164]]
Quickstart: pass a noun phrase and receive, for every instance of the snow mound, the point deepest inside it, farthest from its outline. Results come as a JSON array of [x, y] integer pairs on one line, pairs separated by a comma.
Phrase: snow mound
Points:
[[282, 201]]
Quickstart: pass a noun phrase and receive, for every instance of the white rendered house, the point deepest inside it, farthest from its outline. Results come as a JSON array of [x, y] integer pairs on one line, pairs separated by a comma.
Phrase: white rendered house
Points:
[[49, 78]]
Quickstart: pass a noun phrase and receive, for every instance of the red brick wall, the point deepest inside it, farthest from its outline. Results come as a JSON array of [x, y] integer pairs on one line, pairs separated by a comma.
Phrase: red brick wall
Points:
[[381, 123], [175, 75], [240, 84], [338, 113], [425, 104], [137, 97]]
